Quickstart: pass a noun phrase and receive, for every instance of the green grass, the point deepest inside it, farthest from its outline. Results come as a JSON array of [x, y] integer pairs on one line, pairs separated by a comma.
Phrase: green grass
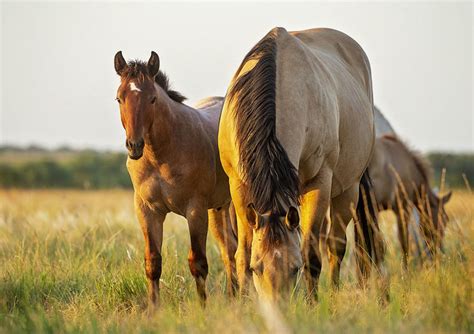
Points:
[[72, 261]]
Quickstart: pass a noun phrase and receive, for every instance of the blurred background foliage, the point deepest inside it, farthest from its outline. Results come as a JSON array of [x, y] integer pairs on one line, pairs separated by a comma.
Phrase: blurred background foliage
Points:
[[35, 167], [459, 168], [62, 168]]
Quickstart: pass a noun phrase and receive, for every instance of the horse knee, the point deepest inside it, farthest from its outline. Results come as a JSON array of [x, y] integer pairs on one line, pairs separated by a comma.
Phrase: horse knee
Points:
[[228, 251], [337, 248], [198, 265], [336, 255], [153, 266]]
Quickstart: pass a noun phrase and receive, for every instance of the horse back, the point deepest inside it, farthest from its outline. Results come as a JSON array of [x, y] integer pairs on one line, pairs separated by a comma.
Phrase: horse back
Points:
[[341, 47]]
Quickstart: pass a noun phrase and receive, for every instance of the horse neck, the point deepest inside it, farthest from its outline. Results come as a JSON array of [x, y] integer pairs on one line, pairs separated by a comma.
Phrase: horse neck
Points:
[[424, 191], [164, 135]]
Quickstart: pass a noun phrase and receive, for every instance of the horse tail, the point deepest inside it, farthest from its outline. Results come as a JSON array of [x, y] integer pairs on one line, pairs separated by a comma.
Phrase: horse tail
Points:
[[369, 242]]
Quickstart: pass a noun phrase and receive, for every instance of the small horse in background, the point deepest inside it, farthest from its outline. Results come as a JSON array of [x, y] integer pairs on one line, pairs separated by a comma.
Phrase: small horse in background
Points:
[[174, 165], [401, 180], [297, 130]]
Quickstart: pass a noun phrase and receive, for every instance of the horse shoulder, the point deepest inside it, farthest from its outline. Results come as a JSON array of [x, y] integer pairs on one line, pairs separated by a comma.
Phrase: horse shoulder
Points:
[[346, 96], [306, 106]]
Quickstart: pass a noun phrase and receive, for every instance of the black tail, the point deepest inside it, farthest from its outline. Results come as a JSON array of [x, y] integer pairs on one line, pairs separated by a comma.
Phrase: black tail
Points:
[[366, 213], [369, 242]]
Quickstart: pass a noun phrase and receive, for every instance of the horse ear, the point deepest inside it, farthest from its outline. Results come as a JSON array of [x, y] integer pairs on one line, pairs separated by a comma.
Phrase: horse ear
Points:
[[252, 216], [292, 218], [447, 197], [119, 63], [153, 64]]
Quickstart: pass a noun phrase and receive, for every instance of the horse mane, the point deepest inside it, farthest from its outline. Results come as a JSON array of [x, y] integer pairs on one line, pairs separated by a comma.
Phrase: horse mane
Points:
[[137, 69], [272, 180], [422, 164]]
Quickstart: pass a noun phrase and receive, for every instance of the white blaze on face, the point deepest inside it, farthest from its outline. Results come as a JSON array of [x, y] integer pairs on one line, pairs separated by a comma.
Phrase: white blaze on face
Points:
[[277, 253], [133, 87]]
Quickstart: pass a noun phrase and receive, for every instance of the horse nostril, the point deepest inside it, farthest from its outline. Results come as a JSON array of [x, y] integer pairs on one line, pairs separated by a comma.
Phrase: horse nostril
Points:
[[135, 145]]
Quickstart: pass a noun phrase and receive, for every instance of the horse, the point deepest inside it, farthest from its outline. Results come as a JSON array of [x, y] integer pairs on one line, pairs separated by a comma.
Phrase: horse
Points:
[[295, 138], [401, 180], [174, 165], [382, 125]]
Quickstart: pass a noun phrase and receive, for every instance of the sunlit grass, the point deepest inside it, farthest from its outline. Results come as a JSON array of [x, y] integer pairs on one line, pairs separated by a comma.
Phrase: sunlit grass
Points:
[[72, 261]]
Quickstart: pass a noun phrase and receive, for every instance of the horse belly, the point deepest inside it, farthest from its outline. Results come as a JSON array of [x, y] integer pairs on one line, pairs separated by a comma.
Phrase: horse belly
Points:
[[221, 194], [220, 197]]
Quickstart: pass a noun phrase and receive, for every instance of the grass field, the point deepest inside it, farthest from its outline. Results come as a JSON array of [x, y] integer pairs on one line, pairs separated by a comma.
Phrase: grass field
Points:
[[72, 261]]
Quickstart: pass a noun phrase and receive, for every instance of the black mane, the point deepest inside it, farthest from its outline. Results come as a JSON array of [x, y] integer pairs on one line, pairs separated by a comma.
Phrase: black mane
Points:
[[138, 69], [271, 178]]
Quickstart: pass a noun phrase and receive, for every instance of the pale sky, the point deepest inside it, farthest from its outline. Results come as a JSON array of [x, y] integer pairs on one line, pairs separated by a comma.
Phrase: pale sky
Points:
[[58, 82]]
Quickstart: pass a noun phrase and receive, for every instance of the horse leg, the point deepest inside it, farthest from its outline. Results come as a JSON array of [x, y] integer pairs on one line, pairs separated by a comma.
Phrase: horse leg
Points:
[[221, 229], [341, 215], [151, 223], [415, 230], [244, 236], [197, 223], [314, 207], [403, 216], [429, 236]]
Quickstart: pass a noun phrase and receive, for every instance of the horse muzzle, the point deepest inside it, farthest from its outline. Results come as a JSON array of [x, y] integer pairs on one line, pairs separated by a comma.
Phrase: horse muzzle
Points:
[[135, 148]]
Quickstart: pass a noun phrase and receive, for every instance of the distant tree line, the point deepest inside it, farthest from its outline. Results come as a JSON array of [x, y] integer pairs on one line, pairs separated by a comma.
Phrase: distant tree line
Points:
[[459, 168], [85, 170], [66, 168]]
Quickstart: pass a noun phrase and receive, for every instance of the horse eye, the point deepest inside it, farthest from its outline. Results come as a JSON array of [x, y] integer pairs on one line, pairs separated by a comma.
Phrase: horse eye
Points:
[[153, 100], [118, 100], [256, 270]]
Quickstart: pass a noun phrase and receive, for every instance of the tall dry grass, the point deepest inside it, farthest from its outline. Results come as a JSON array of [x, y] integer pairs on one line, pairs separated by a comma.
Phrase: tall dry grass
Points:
[[72, 261]]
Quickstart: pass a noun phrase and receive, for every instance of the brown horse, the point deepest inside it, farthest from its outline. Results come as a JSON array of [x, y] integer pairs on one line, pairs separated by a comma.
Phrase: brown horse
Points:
[[296, 129], [401, 182], [174, 166]]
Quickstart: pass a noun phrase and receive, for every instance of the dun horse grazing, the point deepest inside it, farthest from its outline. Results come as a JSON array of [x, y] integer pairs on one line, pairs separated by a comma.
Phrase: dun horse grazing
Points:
[[174, 165], [401, 181], [297, 129]]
